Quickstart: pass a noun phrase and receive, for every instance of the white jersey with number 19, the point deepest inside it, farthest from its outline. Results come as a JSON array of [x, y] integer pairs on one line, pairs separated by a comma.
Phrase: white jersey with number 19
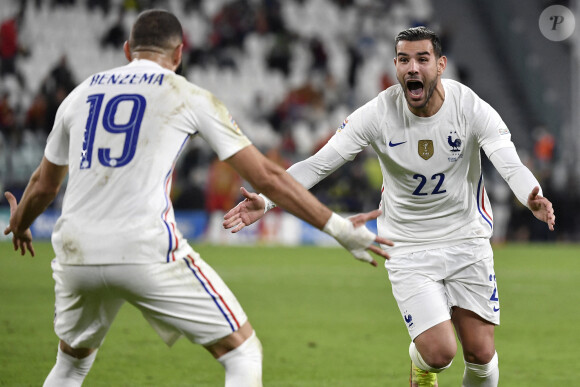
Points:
[[433, 192], [120, 133]]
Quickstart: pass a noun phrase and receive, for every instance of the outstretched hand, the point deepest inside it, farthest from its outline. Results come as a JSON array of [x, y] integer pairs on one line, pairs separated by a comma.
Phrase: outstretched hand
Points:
[[360, 220], [21, 240], [541, 208], [248, 211]]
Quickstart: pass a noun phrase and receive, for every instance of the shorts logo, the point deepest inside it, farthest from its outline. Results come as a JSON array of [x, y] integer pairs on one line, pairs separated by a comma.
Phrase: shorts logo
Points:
[[494, 295], [426, 149], [408, 319]]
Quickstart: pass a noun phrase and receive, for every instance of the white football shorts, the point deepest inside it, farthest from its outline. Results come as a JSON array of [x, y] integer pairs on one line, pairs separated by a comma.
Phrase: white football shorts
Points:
[[427, 284], [185, 297]]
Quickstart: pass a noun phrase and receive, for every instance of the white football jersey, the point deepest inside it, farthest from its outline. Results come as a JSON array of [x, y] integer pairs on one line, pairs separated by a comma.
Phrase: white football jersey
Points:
[[433, 192], [120, 133]]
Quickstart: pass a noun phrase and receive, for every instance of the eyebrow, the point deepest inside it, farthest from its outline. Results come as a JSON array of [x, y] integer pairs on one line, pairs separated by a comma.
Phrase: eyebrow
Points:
[[418, 54]]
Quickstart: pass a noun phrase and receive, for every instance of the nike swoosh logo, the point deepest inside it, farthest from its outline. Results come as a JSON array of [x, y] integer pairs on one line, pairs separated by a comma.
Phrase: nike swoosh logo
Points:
[[392, 144], [495, 309]]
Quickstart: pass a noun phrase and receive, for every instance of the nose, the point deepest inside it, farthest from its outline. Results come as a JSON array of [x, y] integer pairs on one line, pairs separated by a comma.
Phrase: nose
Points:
[[413, 67]]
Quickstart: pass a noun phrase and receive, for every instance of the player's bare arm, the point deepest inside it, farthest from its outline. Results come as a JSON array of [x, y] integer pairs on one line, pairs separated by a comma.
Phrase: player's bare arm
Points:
[[542, 208], [41, 190], [22, 240], [307, 172], [247, 212], [274, 182]]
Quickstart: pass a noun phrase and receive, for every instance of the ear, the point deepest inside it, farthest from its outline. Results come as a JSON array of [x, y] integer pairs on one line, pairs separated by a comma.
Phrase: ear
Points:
[[441, 64], [176, 56], [127, 51]]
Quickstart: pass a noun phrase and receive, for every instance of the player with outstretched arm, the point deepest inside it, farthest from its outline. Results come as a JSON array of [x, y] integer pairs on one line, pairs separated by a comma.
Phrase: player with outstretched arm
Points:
[[117, 136], [427, 133]]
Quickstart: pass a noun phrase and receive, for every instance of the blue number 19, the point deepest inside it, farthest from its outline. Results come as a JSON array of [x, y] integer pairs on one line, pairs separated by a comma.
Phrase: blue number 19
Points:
[[130, 129]]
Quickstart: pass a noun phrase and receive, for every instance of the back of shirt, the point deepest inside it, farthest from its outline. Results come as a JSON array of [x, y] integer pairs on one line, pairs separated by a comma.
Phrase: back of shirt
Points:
[[120, 132]]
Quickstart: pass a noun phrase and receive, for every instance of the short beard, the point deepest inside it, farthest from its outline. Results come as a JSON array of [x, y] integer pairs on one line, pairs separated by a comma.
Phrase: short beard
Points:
[[427, 97]]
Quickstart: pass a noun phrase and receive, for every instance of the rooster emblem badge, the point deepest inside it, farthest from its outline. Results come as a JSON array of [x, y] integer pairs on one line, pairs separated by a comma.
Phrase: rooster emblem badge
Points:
[[455, 144]]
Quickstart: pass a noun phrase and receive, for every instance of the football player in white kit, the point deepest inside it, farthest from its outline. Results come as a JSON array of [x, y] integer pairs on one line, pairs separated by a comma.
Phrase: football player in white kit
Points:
[[427, 133], [117, 135]]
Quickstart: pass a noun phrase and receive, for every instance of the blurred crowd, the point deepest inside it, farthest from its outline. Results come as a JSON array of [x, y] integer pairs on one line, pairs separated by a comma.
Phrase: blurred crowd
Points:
[[289, 71]]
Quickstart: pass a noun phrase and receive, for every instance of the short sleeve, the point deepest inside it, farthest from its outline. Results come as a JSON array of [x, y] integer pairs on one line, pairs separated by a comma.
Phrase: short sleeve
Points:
[[57, 143], [217, 126]]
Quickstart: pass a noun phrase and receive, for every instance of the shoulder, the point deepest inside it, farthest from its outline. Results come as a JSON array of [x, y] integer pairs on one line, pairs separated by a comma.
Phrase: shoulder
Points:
[[457, 89], [460, 93], [386, 100], [190, 91], [391, 95]]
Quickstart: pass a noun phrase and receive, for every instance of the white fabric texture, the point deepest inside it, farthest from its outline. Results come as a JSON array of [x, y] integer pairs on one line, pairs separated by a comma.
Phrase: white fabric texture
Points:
[[417, 359], [356, 240], [517, 175], [69, 371], [481, 375], [243, 364], [120, 136]]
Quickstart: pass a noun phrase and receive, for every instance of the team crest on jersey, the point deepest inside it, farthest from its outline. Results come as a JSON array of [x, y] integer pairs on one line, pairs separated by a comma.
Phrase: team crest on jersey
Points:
[[426, 149], [454, 143]]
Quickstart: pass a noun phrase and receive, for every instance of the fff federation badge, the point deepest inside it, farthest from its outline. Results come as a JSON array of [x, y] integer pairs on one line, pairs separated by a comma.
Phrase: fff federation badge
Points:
[[426, 149]]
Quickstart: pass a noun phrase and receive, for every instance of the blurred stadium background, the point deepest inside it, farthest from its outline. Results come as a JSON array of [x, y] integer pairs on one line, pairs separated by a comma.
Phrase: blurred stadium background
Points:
[[290, 71]]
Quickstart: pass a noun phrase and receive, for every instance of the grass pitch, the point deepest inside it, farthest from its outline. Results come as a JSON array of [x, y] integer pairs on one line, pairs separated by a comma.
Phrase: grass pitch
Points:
[[324, 319]]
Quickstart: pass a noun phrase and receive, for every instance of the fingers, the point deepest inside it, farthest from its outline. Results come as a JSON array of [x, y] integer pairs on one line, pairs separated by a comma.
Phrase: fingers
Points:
[[384, 241], [235, 220], [378, 251], [22, 248], [23, 245], [11, 198], [30, 248], [231, 219], [361, 219], [548, 211], [11, 201], [533, 195], [550, 218], [239, 227], [234, 211], [247, 194]]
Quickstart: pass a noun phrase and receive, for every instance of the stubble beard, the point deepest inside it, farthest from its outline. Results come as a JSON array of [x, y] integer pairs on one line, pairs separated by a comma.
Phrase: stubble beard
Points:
[[428, 95]]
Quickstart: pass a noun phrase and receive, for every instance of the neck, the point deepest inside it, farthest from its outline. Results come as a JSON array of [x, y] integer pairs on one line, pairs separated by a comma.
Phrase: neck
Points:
[[161, 59]]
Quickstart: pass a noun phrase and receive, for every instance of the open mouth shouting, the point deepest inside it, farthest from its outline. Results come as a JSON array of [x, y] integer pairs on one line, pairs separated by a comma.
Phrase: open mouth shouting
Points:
[[415, 89]]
